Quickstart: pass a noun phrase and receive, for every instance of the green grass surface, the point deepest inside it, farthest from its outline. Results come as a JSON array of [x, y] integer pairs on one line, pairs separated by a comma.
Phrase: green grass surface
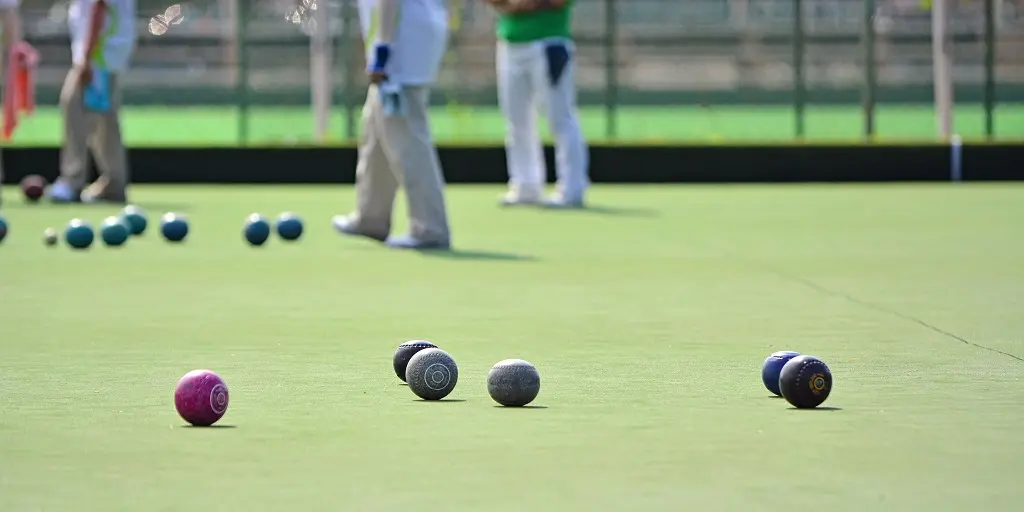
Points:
[[648, 317], [220, 126]]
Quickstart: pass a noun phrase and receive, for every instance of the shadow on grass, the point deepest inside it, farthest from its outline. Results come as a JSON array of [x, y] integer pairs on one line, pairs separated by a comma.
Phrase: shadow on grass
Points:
[[618, 211], [520, 407], [442, 401], [214, 427], [457, 254], [817, 409], [152, 209]]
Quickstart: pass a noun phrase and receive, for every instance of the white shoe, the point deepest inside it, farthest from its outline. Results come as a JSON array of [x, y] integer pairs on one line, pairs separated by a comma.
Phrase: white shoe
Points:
[[88, 196], [558, 201], [522, 196], [345, 225], [411, 242]]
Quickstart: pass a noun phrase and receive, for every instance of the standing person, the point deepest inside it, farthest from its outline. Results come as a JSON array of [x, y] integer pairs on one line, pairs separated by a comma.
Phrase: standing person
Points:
[[102, 42], [535, 72], [404, 54], [11, 27]]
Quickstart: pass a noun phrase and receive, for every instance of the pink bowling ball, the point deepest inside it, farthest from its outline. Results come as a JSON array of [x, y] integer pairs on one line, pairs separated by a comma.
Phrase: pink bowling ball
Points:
[[201, 397]]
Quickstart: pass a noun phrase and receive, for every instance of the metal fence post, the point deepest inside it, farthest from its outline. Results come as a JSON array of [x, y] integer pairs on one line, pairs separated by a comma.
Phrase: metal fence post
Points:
[[242, 84], [611, 69], [990, 68], [321, 72], [942, 68], [348, 67], [870, 78], [799, 85]]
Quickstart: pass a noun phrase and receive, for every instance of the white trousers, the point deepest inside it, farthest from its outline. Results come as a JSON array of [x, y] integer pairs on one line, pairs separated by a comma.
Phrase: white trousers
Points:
[[525, 88], [398, 150]]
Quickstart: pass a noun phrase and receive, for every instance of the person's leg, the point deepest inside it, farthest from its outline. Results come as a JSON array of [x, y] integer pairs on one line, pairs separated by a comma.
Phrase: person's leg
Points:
[[412, 154], [111, 156], [559, 102], [74, 153], [524, 153], [376, 185]]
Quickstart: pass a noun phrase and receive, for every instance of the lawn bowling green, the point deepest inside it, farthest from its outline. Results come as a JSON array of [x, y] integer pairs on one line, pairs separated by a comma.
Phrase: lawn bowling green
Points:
[[648, 316]]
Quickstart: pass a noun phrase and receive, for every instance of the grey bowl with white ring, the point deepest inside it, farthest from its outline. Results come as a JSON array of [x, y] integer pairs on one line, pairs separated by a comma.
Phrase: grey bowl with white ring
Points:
[[432, 374]]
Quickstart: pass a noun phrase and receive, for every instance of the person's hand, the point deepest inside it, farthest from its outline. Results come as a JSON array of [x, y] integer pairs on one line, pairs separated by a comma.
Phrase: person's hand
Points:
[[85, 75], [381, 55]]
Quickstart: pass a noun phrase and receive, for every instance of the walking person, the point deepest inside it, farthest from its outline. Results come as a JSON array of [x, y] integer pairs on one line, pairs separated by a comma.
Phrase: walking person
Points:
[[102, 42], [535, 69], [397, 149]]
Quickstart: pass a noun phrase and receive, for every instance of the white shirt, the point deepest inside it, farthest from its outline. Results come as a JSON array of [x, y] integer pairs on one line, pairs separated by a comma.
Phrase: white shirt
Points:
[[117, 38], [420, 40]]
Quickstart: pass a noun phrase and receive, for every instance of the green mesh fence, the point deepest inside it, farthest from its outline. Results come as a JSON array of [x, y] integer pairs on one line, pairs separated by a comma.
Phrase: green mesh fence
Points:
[[215, 72]]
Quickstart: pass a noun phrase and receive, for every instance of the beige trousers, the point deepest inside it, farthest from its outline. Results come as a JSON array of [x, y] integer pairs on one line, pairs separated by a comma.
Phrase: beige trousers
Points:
[[84, 129], [398, 150]]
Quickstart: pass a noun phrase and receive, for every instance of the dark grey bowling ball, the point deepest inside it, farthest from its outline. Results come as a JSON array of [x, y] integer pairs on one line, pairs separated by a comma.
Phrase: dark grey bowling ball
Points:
[[513, 382], [432, 374], [405, 352]]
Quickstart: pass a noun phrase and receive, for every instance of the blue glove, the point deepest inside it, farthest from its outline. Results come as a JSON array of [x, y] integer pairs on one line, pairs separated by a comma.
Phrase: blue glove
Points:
[[381, 54]]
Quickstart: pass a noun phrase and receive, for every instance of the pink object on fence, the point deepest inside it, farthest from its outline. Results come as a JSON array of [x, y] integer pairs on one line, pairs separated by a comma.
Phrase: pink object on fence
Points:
[[19, 85]]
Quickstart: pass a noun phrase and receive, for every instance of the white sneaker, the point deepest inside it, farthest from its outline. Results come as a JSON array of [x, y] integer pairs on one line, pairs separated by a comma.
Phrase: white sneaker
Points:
[[411, 242], [522, 196], [88, 196], [345, 225], [558, 201]]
